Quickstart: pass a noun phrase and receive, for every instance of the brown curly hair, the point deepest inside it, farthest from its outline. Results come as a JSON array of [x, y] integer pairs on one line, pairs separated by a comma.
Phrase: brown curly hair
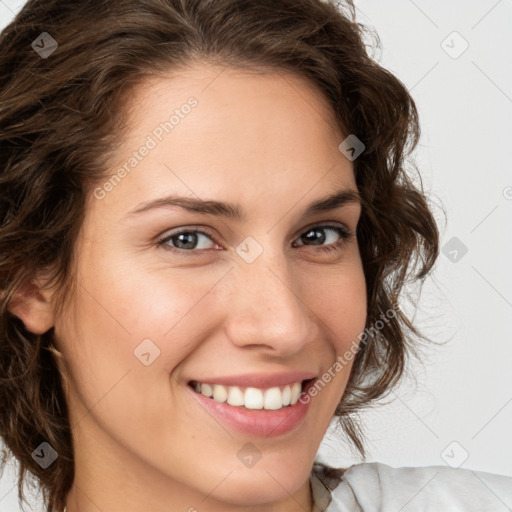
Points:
[[62, 116]]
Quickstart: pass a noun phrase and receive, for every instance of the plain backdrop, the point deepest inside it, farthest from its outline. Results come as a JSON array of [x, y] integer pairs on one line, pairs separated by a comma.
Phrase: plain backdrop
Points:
[[456, 407]]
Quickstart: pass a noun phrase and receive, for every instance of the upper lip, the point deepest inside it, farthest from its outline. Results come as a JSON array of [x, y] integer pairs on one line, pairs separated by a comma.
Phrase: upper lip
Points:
[[258, 380]]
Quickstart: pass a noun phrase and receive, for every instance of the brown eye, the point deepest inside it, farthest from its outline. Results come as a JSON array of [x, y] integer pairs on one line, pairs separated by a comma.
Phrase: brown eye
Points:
[[317, 236]]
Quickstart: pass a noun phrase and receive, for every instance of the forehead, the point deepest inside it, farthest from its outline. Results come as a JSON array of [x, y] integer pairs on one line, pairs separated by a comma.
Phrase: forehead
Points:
[[273, 107], [220, 131], [211, 83]]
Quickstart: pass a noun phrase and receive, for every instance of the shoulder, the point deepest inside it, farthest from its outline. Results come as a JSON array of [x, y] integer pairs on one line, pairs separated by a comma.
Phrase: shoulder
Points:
[[377, 487]]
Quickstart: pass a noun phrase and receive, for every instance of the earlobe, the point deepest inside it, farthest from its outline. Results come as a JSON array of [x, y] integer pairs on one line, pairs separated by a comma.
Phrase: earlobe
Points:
[[34, 306]]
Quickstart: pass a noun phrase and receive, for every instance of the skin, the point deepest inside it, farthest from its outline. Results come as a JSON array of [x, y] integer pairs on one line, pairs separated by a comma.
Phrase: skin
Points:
[[267, 142]]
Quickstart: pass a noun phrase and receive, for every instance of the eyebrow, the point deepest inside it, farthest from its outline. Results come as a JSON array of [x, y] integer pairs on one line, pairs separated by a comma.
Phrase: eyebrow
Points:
[[235, 212]]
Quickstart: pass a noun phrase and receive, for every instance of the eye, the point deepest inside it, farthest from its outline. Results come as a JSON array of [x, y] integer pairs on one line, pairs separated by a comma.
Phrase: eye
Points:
[[316, 235], [186, 239], [326, 237]]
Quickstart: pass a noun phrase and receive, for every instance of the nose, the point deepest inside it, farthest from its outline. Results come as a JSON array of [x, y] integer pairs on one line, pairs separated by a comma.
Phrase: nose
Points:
[[266, 309]]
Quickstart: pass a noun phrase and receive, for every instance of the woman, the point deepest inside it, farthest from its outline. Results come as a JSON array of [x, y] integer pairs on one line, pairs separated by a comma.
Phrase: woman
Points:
[[206, 227]]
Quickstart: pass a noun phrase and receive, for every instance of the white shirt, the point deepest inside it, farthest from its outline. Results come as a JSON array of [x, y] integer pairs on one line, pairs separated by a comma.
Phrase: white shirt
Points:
[[377, 487]]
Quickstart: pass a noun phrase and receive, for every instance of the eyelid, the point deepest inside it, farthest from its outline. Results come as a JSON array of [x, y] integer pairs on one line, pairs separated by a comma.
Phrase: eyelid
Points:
[[324, 224]]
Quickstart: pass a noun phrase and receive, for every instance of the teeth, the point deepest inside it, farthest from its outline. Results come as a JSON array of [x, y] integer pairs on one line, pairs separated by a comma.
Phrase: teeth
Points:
[[295, 392], [287, 393], [235, 396], [206, 390], [273, 399], [220, 393], [252, 398]]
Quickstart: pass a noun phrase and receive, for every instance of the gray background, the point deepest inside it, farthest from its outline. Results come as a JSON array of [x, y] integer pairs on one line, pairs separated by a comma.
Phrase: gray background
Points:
[[455, 408]]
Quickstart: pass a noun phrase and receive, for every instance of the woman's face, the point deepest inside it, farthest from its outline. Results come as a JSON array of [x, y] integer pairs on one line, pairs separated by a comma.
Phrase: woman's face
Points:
[[263, 295]]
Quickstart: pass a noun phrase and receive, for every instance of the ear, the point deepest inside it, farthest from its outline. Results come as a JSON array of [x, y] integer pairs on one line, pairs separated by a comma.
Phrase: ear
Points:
[[34, 306]]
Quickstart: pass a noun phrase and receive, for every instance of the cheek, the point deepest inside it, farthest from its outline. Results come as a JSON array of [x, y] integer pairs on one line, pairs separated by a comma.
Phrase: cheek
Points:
[[128, 317], [340, 302], [122, 337], [342, 307]]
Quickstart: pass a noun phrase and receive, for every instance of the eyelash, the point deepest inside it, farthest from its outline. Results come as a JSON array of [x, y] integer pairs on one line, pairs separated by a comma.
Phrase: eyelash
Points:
[[344, 234]]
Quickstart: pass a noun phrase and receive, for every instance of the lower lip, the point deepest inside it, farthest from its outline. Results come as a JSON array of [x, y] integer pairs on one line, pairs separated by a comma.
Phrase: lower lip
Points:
[[257, 422]]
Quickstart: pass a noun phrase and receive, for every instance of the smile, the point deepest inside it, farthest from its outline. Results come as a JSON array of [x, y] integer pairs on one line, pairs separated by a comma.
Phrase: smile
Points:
[[273, 398], [270, 410]]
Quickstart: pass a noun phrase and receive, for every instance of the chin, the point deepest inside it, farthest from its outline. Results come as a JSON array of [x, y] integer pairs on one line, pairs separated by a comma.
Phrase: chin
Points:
[[259, 487]]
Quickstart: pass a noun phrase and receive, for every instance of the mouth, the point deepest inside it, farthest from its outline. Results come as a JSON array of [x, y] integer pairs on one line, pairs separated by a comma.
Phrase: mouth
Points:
[[253, 398], [256, 405]]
